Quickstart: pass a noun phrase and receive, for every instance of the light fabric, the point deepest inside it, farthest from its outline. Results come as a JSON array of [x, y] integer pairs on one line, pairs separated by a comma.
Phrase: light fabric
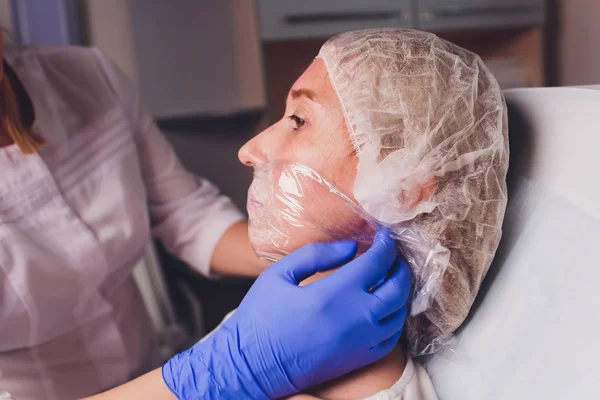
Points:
[[74, 220], [428, 123], [414, 384]]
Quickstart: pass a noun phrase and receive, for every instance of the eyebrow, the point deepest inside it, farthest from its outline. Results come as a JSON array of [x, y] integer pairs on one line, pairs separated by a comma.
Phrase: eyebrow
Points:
[[303, 92]]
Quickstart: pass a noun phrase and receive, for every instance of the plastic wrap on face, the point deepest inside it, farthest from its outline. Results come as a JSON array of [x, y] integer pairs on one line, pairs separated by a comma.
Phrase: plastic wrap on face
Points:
[[291, 205]]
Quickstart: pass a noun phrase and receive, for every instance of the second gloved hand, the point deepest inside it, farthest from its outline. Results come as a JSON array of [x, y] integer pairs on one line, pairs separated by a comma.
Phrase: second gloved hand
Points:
[[285, 338]]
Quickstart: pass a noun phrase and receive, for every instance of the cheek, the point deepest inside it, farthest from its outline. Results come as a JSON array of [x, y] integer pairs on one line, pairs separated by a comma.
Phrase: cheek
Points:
[[290, 206], [331, 209], [332, 156]]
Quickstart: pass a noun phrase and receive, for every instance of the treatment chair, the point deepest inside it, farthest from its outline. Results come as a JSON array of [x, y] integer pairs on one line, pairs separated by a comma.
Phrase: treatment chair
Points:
[[534, 332]]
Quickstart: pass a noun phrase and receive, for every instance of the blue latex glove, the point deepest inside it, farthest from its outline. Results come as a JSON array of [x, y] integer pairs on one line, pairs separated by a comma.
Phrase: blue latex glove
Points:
[[285, 338]]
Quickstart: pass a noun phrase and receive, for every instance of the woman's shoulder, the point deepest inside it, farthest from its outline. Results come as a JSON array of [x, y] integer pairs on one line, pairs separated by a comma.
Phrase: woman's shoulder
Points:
[[76, 91], [73, 69]]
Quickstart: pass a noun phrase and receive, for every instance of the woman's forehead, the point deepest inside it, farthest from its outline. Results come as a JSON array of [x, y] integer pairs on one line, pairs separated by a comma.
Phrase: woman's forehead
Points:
[[315, 79]]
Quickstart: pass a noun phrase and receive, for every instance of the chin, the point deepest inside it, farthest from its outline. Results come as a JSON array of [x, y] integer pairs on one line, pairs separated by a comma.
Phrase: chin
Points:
[[265, 244]]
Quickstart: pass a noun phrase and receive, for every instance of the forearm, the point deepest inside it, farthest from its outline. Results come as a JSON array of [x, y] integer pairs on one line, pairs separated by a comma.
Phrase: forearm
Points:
[[233, 254], [148, 387]]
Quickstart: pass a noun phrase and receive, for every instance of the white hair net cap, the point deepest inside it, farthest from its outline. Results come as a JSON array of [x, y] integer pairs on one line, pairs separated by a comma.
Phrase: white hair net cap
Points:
[[429, 125]]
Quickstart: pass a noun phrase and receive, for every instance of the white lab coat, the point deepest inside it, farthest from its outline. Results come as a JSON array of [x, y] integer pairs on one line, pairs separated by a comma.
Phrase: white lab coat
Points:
[[74, 220]]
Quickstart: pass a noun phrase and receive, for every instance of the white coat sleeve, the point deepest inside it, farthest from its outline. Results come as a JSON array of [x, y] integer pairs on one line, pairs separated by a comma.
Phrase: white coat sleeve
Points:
[[187, 213]]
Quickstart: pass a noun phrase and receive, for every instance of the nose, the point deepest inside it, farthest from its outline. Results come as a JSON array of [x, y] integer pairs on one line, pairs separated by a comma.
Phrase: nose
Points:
[[250, 154]]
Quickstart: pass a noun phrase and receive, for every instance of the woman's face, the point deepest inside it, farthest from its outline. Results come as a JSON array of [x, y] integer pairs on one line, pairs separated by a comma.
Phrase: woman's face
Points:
[[289, 205], [312, 132]]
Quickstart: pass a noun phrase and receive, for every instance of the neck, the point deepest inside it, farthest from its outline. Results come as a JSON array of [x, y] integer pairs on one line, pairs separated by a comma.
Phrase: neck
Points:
[[367, 381]]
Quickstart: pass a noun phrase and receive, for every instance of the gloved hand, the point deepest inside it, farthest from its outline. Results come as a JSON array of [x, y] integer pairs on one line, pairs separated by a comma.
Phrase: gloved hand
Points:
[[285, 338]]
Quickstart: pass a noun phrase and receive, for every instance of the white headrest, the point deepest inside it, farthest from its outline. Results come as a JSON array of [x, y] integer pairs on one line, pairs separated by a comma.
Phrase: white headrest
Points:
[[534, 332]]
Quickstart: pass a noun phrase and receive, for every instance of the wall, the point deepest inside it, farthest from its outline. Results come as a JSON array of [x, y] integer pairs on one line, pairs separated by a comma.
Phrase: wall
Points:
[[247, 53], [579, 43], [109, 29], [6, 14], [207, 147]]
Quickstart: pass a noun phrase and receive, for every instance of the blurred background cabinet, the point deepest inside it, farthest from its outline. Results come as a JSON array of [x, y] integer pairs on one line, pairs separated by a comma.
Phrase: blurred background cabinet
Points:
[[188, 49], [434, 15], [291, 20]]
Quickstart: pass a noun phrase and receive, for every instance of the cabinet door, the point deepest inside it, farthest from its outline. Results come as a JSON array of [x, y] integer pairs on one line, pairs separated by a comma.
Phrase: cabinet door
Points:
[[467, 14], [285, 20], [196, 58]]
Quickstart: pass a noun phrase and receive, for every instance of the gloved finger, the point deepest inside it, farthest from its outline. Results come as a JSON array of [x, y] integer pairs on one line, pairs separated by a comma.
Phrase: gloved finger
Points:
[[393, 323], [312, 258], [383, 348], [393, 292], [369, 268]]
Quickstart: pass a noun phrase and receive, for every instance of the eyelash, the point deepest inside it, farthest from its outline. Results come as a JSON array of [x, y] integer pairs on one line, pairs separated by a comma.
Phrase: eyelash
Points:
[[298, 121]]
